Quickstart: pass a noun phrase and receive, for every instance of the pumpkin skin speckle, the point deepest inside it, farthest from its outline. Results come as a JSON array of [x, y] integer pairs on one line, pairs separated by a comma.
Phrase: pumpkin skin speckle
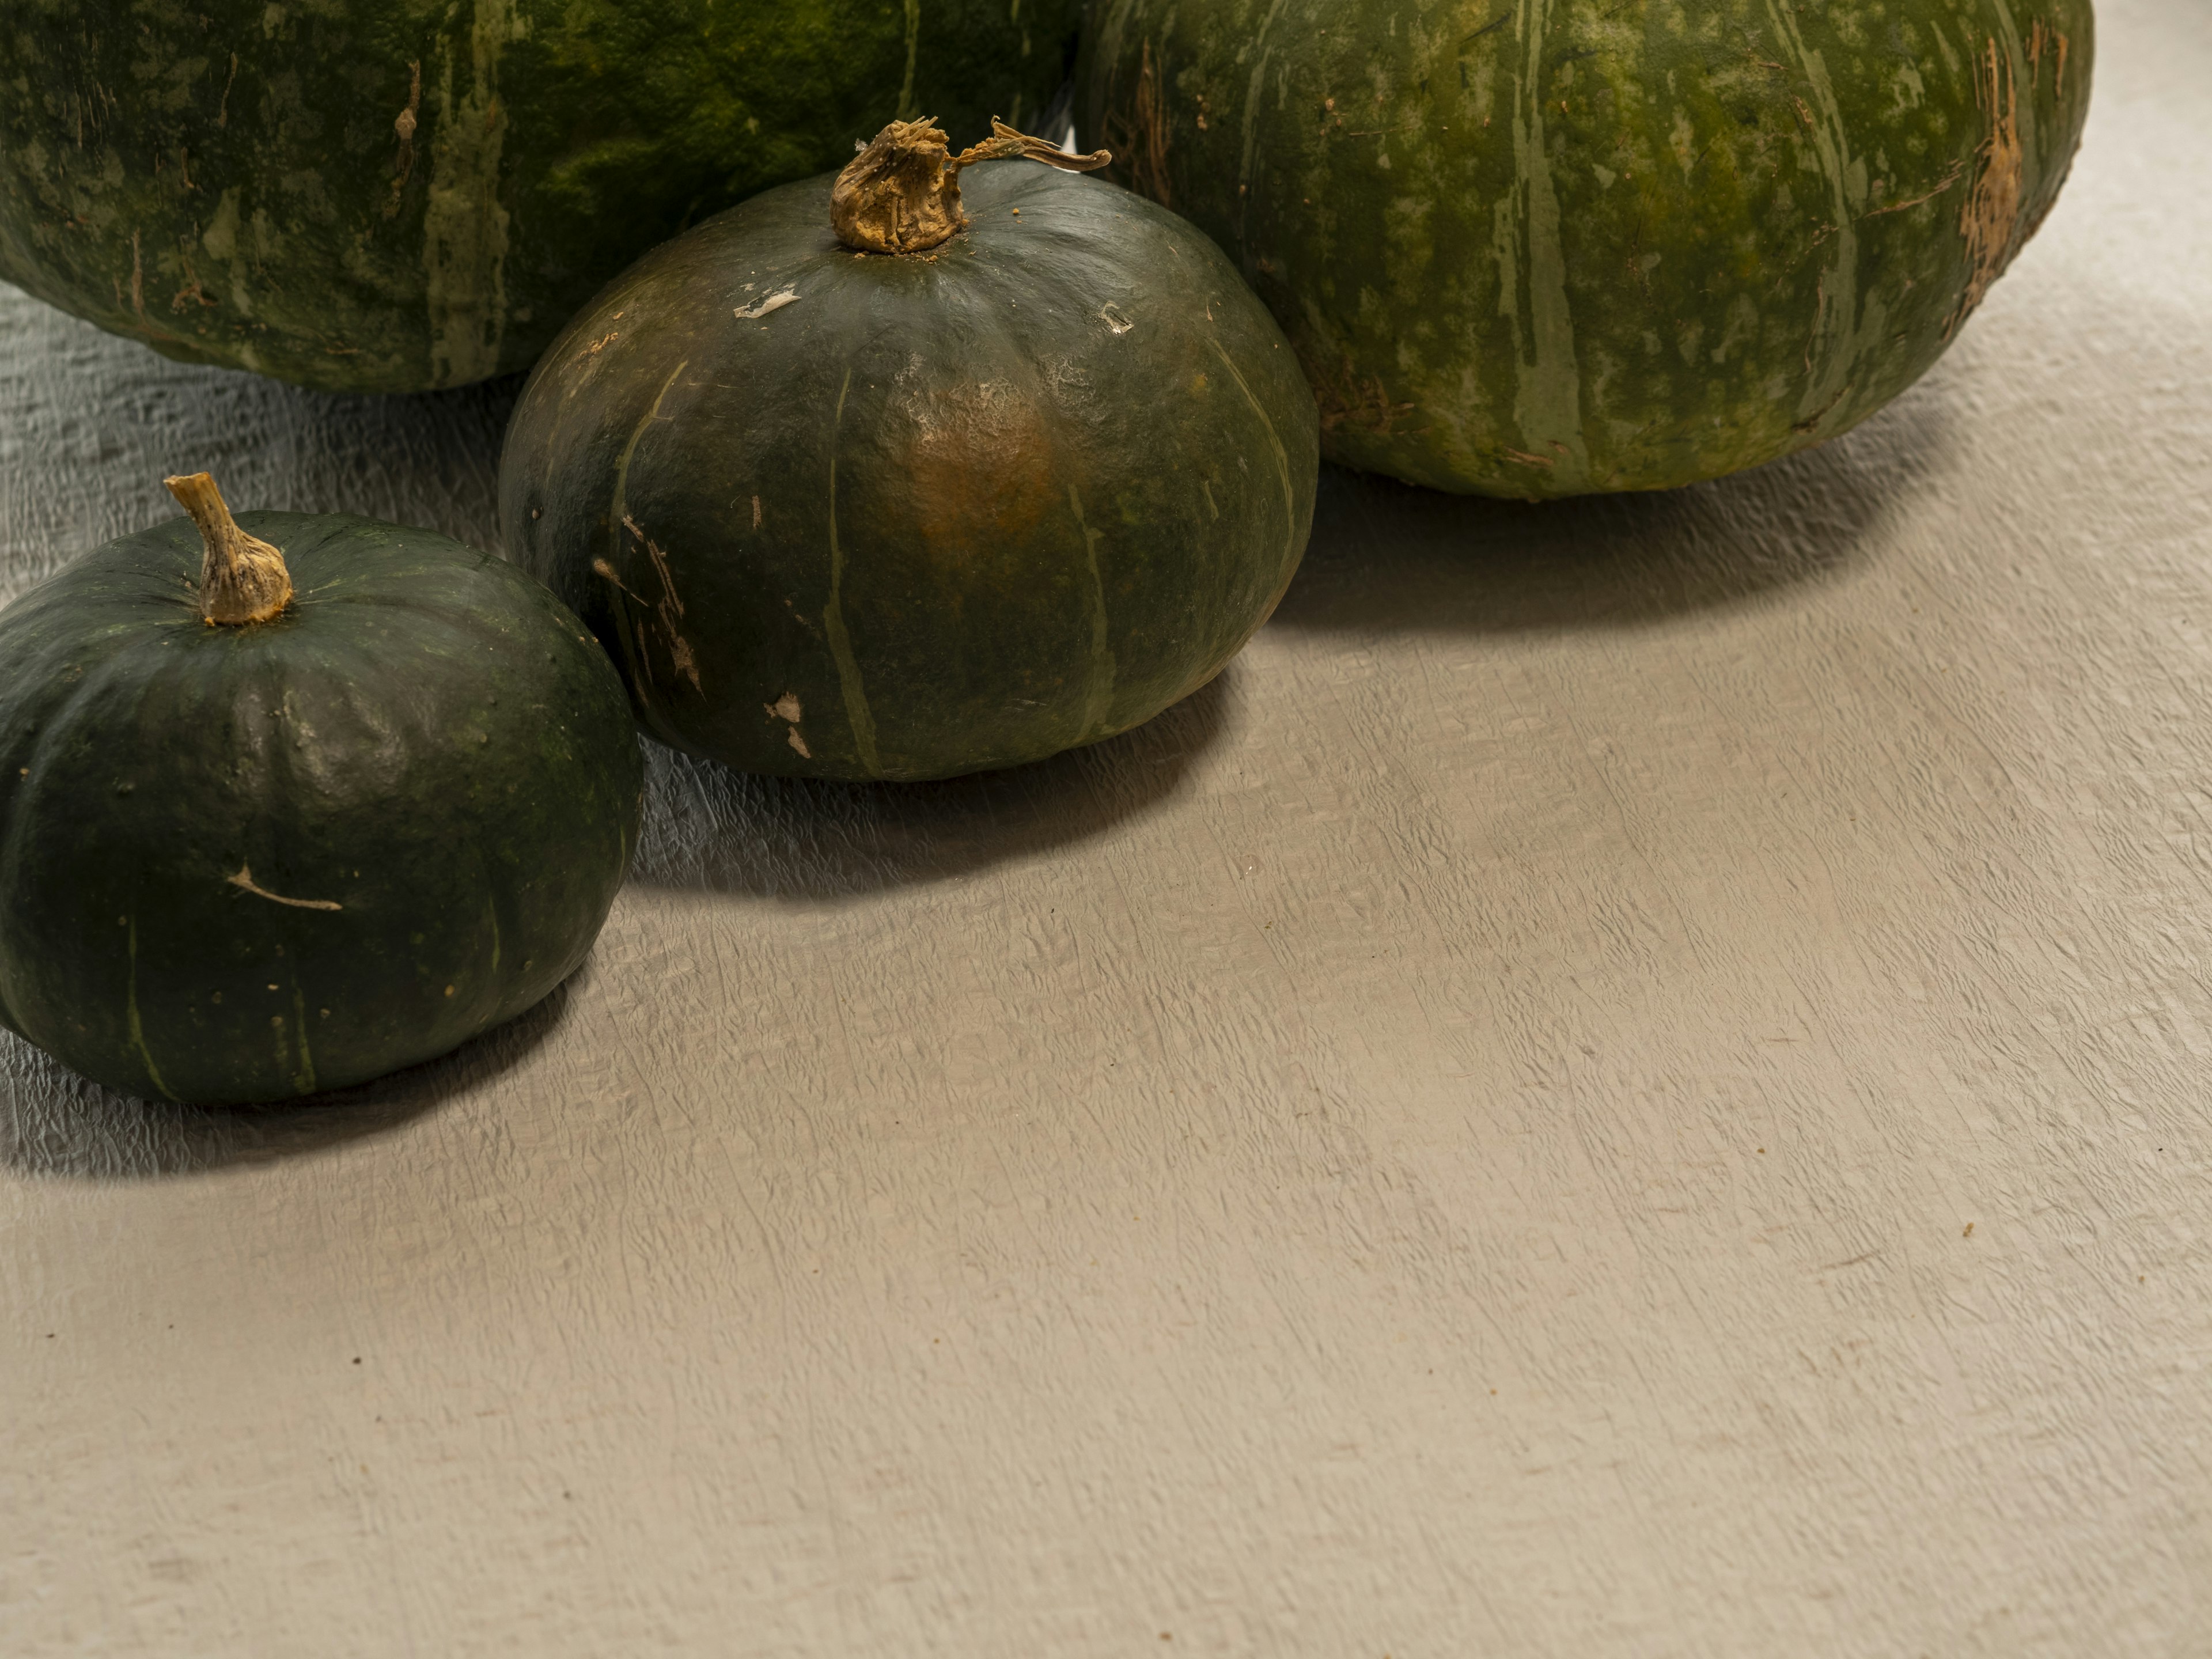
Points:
[[244, 864], [1545, 247], [852, 515], [400, 195]]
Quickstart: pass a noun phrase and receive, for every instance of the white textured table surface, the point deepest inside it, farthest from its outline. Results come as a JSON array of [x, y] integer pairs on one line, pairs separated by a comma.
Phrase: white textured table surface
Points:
[[1633, 1080]]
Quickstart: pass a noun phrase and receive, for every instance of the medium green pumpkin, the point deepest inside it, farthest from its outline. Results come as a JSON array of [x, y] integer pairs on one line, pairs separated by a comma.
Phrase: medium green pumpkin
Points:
[[397, 195], [865, 514], [340, 827], [1540, 247]]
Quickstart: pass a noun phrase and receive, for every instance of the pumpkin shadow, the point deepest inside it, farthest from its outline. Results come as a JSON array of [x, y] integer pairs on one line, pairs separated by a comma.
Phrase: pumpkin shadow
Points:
[[708, 826], [55, 1123], [1386, 555]]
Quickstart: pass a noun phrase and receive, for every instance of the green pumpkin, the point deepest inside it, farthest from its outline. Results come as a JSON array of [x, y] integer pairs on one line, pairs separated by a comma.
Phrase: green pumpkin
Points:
[[849, 515], [397, 195], [1541, 247], [248, 861]]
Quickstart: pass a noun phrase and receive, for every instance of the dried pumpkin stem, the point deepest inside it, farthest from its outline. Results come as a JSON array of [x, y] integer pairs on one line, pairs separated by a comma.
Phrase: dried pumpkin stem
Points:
[[242, 578], [901, 193]]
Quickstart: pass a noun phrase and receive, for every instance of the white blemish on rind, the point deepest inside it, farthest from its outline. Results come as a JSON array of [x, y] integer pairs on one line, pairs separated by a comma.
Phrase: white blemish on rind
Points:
[[244, 879], [799, 743], [785, 708], [776, 302]]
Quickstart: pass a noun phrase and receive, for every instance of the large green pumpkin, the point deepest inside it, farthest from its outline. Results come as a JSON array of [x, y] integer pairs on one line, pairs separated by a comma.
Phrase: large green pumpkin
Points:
[[1539, 247], [395, 195], [906, 515], [247, 862]]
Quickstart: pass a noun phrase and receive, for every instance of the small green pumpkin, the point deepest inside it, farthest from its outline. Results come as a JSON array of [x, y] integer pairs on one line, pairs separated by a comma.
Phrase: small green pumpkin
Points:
[[907, 514], [290, 802], [1544, 247]]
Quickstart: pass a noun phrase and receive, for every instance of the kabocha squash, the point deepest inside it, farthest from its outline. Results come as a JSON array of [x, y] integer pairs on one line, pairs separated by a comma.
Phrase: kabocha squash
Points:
[[1540, 247], [397, 195], [849, 513], [286, 802]]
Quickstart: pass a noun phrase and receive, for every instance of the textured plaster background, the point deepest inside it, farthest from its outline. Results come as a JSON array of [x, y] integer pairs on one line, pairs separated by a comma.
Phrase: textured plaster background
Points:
[[1633, 1080]]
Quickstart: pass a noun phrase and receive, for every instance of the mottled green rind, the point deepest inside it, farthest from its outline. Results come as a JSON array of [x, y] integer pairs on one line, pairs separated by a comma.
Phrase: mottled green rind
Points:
[[225, 180], [425, 739], [1541, 247], [967, 509]]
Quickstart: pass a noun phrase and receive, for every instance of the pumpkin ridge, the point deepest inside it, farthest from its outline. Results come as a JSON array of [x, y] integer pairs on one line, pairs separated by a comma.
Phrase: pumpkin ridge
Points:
[[1274, 442], [137, 1028], [858, 716], [1099, 696]]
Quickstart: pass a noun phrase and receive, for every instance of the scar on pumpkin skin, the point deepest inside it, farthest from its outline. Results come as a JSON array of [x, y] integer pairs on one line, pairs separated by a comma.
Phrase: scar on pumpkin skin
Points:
[[404, 124], [2039, 41], [776, 302], [244, 878], [1950, 177], [1812, 422], [786, 708], [1989, 220], [602, 567], [1343, 400], [670, 610], [1141, 134]]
